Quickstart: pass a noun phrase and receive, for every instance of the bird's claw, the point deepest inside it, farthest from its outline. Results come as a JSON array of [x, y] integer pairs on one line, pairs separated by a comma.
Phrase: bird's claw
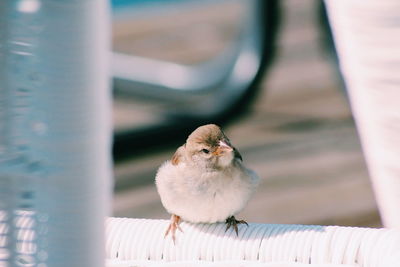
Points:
[[231, 221], [174, 224]]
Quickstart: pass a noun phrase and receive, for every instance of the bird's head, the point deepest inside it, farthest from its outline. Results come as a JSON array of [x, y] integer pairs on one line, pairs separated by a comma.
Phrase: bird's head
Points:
[[208, 146]]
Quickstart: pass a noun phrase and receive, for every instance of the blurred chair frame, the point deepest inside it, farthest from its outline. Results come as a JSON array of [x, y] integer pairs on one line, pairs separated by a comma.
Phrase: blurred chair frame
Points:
[[216, 85], [213, 91]]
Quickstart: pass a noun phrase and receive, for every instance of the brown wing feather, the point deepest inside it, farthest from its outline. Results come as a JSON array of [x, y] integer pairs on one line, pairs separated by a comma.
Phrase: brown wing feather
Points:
[[177, 157]]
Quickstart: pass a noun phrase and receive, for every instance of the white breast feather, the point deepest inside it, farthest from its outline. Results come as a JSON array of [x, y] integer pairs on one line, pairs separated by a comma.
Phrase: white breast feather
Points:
[[206, 197]]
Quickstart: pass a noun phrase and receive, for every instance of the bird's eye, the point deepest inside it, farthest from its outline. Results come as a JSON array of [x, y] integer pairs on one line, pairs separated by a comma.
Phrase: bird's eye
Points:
[[205, 151]]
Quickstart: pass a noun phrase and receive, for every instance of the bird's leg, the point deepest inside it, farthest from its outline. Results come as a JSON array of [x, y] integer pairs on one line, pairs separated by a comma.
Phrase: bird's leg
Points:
[[231, 221], [174, 224]]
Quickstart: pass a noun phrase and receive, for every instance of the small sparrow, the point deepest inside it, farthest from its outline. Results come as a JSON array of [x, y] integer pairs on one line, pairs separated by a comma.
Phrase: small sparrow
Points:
[[205, 181]]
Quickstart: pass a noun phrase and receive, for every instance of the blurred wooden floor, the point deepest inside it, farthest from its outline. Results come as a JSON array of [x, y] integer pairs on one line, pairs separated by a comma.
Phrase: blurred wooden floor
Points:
[[299, 135]]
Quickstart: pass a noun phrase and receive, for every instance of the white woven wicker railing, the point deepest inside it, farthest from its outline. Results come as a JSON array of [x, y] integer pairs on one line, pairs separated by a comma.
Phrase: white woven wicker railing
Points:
[[141, 242]]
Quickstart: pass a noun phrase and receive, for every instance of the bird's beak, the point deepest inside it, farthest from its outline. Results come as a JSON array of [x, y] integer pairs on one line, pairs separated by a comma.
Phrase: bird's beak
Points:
[[228, 147], [223, 145]]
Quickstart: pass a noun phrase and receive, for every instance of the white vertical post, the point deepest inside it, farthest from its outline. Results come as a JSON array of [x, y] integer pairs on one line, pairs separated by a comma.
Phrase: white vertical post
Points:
[[55, 131], [367, 37]]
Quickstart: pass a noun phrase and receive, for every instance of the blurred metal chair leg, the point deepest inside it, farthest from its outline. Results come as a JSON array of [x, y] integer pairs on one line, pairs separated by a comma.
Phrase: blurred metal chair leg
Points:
[[210, 91]]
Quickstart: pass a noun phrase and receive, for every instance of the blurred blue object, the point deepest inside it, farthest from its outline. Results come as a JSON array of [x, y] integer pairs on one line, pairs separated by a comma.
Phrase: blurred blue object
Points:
[[125, 3], [55, 131]]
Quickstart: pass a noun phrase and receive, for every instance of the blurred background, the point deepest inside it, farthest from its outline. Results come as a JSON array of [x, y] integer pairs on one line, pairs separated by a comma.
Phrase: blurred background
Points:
[[280, 99]]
